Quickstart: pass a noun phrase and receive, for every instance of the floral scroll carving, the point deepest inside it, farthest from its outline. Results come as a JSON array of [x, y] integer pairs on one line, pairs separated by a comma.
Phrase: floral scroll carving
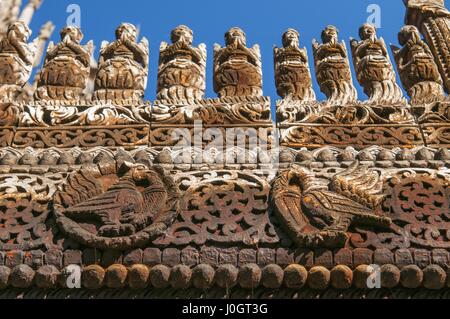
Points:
[[342, 136], [128, 136], [374, 69], [417, 201], [123, 67], [83, 113], [237, 110]]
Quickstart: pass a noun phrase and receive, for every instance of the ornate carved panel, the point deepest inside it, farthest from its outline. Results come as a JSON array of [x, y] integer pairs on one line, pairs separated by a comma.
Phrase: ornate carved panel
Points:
[[222, 207], [6, 136], [128, 136], [437, 135], [374, 69], [91, 174], [16, 59], [434, 120], [316, 215], [116, 206], [404, 208], [237, 68], [122, 67], [184, 136], [83, 113], [66, 68]]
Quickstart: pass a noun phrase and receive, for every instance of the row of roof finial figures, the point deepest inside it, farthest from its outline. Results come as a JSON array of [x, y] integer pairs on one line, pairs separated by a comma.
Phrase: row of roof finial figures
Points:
[[122, 69]]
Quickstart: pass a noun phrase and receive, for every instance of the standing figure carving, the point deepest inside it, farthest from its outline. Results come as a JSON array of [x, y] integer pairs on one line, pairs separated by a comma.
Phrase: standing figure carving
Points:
[[66, 67], [182, 67], [432, 19], [9, 12], [16, 60], [374, 69], [237, 68], [418, 70], [116, 205], [333, 69], [292, 73], [123, 67]]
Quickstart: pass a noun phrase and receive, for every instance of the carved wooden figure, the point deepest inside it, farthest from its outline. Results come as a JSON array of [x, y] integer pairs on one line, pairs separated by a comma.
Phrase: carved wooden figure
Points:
[[116, 206], [182, 67], [333, 68], [9, 12], [316, 215], [66, 68], [433, 20], [374, 69], [123, 67], [16, 60], [418, 70], [237, 68], [299, 208], [292, 73]]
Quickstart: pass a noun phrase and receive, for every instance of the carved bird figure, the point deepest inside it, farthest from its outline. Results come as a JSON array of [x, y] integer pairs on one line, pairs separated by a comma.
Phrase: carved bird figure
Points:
[[126, 207], [317, 215]]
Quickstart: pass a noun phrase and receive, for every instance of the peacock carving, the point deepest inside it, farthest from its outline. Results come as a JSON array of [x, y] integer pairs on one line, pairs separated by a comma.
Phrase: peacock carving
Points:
[[319, 215], [116, 206]]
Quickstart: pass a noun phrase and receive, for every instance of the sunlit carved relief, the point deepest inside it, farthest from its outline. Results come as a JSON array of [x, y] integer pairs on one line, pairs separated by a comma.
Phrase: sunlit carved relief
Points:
[[182, 67], [237, 68], [333, 69], [16, 60], [66, 68], [123, 67], [374, 69], [418, 70]]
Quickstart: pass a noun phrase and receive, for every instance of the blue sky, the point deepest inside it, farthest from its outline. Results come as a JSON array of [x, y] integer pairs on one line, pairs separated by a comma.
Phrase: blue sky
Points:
[[264, 21]]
